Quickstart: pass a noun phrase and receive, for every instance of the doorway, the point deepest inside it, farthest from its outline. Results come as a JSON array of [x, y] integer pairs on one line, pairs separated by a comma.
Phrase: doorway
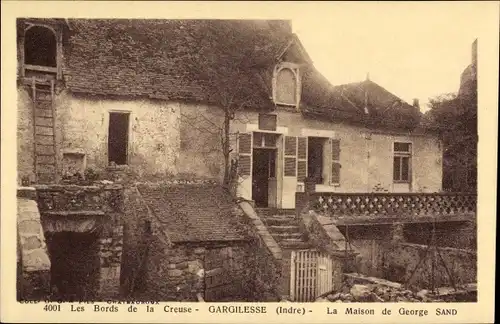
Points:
[[75, 265], [118, 138], [264, 177]]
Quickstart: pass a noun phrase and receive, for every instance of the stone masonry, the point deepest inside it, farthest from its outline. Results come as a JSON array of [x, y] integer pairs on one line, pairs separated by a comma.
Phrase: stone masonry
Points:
[[33, 260]]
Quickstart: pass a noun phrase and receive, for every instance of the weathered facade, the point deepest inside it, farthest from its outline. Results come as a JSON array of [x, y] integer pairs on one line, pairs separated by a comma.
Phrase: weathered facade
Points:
[[105, 107], [163, 100]]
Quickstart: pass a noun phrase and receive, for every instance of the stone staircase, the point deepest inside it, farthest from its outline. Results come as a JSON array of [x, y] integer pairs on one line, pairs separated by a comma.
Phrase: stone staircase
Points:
[[284, 227], [43, 131]]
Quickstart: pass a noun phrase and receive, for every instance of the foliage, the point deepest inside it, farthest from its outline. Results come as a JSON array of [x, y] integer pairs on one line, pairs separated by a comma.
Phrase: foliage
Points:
[[455, 116], [228, 69]]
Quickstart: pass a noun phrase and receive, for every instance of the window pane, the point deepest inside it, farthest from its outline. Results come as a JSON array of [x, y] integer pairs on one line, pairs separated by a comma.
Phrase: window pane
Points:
[[401, 147], [257, 139], [405, 169], [397, 168], [270, 140], [286, 87]]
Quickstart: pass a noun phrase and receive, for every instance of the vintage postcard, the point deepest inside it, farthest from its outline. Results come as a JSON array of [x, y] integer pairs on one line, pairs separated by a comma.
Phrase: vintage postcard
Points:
[[237, 162]]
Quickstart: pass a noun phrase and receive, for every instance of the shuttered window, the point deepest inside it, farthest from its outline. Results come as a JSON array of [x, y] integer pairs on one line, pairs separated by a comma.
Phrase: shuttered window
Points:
[[290, 159], [301, 158], [335, 149], [245, 154]]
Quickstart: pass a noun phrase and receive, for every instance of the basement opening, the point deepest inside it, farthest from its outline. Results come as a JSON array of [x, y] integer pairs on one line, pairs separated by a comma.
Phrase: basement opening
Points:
[[75, 265], [118, 138]]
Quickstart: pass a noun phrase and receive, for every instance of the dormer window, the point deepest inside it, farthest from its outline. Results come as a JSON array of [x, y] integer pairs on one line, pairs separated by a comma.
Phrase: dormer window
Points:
[[286, 85], [40, 49]]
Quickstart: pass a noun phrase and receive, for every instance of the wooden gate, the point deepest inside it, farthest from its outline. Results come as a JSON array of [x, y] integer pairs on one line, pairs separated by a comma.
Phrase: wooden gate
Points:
[[311, 275]]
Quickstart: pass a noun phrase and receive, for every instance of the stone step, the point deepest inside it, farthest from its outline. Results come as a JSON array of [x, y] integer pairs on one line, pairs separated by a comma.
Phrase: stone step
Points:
[[283, 228], [290, 212], [281, 221], [294, 244], [285, 236], [264, 212]]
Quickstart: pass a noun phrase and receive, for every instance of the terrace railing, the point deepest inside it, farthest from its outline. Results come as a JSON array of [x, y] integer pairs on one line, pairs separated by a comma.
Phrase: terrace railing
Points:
[[392, 204]]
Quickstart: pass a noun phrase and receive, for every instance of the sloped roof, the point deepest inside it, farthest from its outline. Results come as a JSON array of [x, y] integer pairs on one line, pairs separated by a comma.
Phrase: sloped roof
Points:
[[165, 59], [371, 104], [186, 60], [193, 212]]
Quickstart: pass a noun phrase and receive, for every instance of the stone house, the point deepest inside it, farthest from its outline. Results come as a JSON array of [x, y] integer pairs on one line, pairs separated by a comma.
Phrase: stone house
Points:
[[121, 93], [145, 99]]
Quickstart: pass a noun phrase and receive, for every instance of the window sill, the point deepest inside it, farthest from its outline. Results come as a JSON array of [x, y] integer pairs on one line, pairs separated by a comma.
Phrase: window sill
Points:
[[401, 182], [40, 68]]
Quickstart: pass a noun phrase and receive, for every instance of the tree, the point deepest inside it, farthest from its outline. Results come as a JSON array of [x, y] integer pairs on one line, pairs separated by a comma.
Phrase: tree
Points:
[[455, 116], [232, 56]]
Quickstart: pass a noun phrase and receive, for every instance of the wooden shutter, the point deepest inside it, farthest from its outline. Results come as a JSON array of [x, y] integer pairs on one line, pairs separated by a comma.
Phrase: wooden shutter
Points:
[[335, 149], [245, 154], [290, 159], [301, 158]]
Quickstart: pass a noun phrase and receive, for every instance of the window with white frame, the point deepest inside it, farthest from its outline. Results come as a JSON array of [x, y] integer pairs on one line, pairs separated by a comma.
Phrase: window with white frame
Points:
[[286, 84], [402, 162]]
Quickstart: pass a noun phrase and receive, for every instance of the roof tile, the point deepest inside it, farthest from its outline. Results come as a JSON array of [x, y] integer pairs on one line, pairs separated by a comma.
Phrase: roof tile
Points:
[[193, 212]]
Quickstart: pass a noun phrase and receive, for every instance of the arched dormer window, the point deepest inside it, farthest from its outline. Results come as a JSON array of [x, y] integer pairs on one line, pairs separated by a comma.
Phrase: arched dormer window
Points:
[[286, 85], [40, 47]]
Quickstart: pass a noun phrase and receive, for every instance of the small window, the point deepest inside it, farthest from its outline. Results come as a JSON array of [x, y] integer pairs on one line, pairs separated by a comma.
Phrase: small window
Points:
[[402, 162], [286, 85], [40, 47]]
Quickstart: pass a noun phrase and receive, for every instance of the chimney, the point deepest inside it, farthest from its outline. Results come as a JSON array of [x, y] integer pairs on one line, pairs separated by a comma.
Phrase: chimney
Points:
[[474, 52], [416, 103]]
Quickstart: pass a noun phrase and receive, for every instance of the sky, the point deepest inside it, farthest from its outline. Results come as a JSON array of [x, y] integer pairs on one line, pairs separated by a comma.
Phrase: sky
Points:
[[412, 50]]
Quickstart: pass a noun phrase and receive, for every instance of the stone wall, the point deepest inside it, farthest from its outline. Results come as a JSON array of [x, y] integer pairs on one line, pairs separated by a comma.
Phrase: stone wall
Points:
[[135, 225], [110, 256], [178, 272], [267, 259], [460, 235], [460, 264], [89, 209], [33, 273], [83, 126]]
